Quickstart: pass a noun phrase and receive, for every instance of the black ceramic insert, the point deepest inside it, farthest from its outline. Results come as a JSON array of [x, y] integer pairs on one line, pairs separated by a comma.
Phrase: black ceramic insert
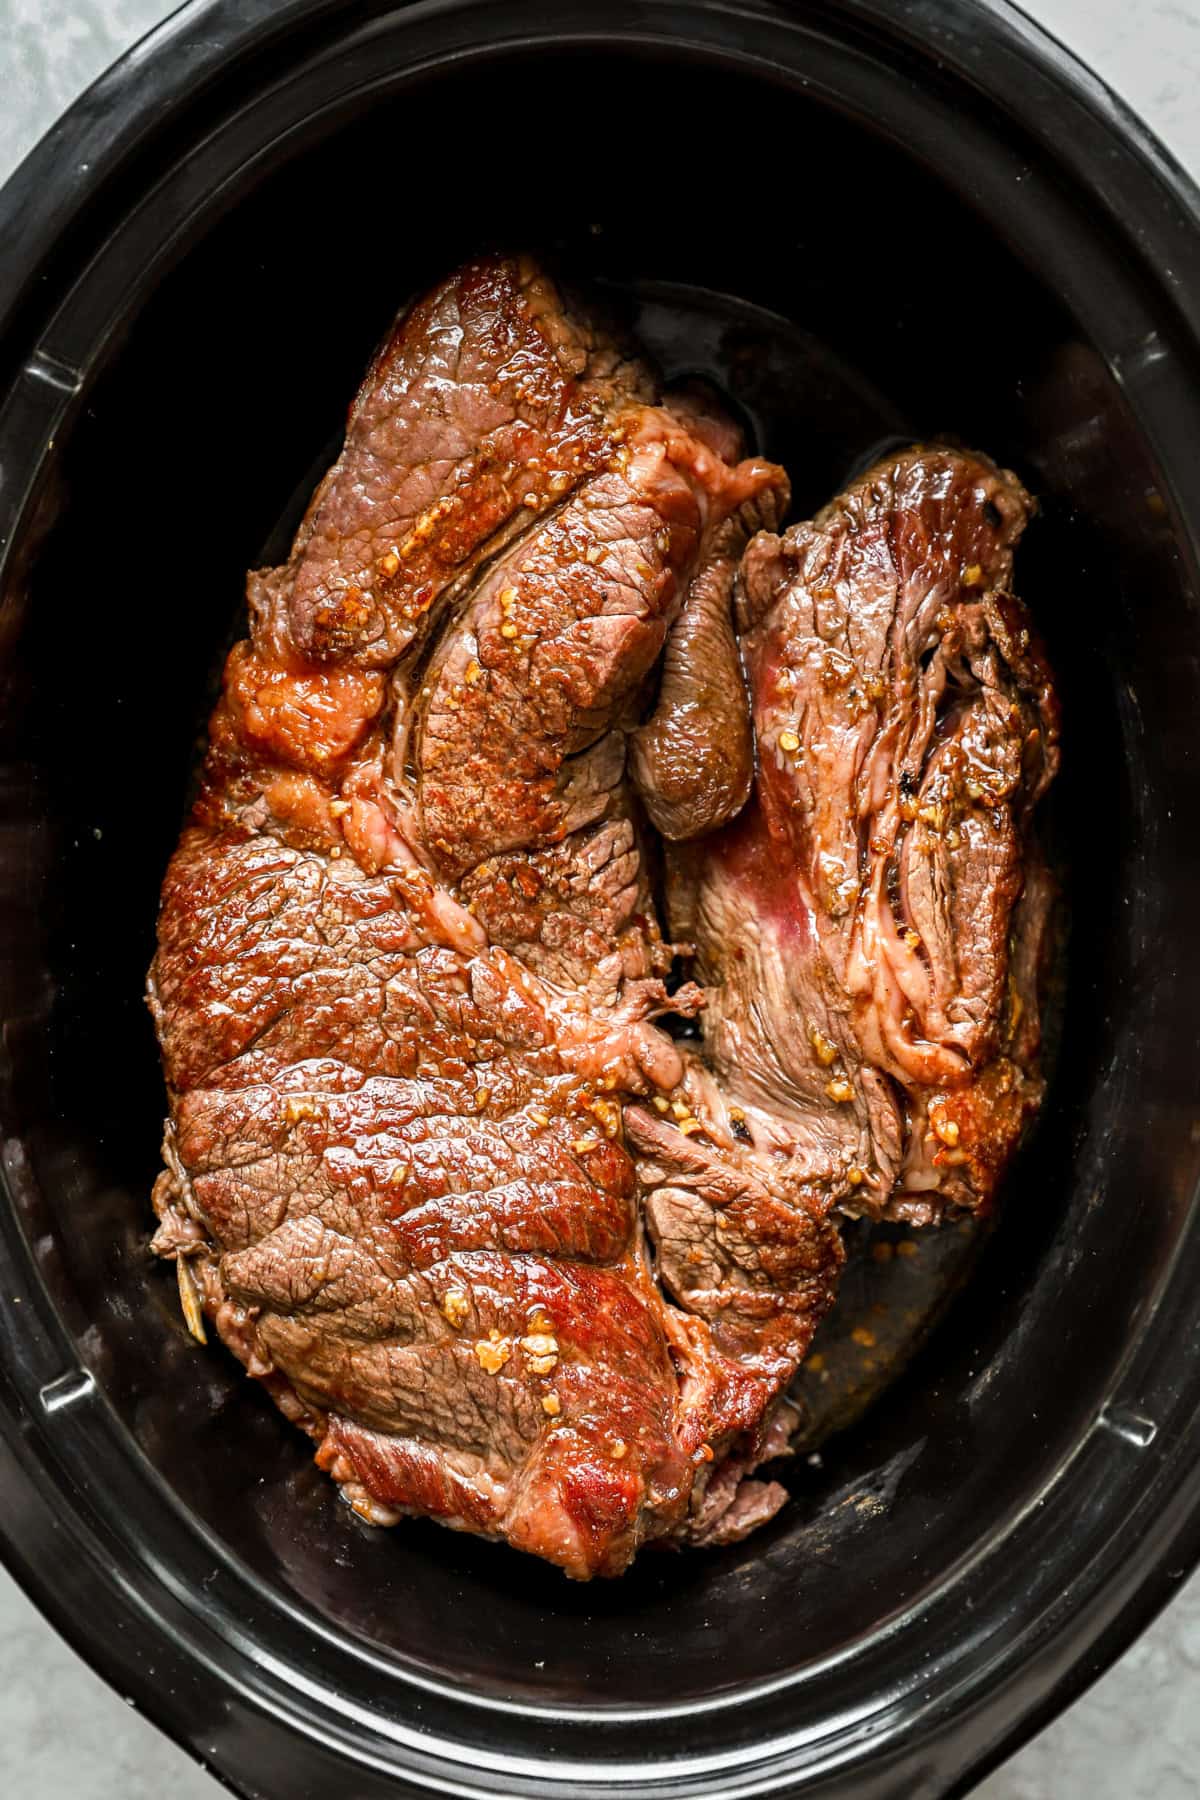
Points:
[[888, 221]]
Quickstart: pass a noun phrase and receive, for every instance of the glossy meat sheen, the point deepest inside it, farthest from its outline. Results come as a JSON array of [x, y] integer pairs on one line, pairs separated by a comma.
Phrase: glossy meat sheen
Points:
[[556, 642], [693, 759], [487, 402], [408, 967], [872, 929]]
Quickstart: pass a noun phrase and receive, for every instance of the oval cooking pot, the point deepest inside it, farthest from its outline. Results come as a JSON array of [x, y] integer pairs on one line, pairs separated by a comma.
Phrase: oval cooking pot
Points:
[[199, 258]]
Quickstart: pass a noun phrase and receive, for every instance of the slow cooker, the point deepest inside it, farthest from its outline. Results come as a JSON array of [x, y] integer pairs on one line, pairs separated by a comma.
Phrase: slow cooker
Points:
[[950, 226]]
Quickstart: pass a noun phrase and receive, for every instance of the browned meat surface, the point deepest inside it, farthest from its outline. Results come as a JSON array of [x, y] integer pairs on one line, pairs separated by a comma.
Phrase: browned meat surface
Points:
[[693, 759], [408, 966], [510, 1254], [488, 401], [871, 930]]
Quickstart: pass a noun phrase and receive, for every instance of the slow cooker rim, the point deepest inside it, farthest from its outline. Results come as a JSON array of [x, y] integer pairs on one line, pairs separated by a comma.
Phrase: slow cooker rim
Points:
[[58, 147], [65, 173]]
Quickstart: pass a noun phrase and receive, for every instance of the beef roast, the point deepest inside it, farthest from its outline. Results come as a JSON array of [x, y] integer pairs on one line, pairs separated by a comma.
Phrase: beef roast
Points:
[[515, 1257], [871, 931], [409, 969]]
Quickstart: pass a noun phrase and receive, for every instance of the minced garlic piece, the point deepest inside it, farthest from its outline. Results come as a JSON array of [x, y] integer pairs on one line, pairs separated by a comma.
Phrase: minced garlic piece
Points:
[[295, 1110], [551, 1404], [608, 1114], [493, 1353], [541, 1351], [455, 1306], [839, 1089]]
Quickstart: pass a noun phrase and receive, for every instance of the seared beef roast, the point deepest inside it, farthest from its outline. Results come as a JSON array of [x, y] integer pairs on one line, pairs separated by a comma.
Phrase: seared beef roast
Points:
[[409, 972], [408, 964], [871, 930]]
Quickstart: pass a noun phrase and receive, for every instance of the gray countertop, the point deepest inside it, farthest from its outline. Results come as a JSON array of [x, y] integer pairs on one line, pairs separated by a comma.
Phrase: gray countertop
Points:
[[1136, 1734]]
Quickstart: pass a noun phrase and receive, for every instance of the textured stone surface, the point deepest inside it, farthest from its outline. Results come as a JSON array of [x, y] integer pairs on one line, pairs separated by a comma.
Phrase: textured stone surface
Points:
[[1136, 1735]]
